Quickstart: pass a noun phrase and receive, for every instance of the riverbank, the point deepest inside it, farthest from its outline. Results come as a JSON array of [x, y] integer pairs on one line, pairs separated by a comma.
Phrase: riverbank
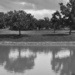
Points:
[[9, 43]]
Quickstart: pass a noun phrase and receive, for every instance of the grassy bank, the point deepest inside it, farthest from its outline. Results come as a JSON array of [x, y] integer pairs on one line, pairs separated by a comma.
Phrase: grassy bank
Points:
[[37, 36]]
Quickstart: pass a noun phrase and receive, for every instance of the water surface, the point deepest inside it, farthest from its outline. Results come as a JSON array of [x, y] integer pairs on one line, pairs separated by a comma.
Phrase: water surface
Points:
[[37, 60]]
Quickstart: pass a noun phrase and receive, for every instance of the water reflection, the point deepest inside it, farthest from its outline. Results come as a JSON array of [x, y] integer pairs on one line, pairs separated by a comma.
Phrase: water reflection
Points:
[[37, 60], [17, 60], [14, 54], [64, 62]]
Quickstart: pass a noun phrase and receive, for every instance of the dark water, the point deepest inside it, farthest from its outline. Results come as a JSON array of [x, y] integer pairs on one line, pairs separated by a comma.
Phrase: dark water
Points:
[[37, 60]]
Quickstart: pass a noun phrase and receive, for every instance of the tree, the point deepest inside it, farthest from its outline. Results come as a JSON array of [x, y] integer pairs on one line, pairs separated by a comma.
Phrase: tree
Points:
[[2, 20], [56, 17], [31, 22], [41, 24], [21, 20], [9, 20], [17, 20], [47, 22], [68, 11]]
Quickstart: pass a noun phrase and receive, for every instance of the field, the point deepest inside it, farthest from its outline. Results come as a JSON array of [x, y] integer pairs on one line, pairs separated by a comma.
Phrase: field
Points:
[[37, 36]]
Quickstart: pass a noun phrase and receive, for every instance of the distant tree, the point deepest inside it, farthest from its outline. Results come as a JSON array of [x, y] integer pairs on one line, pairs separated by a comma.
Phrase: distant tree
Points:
[[41, 24], [68, 11], [47, 22], [2, 20], [31, 22]]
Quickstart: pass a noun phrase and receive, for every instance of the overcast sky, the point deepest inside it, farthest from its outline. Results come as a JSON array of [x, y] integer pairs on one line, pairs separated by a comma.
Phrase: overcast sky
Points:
[[38, 8]]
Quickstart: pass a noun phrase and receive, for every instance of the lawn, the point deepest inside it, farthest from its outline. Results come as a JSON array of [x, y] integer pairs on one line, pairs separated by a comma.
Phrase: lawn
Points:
[[36, 36]]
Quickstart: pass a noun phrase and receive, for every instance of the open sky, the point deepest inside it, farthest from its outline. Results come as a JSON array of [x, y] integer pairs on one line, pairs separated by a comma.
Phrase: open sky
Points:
[[38, 8]]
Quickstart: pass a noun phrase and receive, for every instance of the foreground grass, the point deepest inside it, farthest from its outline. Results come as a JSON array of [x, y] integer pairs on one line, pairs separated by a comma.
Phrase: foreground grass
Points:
[[36, 36]]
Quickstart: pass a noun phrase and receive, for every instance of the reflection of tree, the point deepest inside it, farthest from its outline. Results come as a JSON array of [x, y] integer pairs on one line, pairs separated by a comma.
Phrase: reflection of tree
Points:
[[66, 65], [40, 49], [4, 51], [19, 59], [20, 64]]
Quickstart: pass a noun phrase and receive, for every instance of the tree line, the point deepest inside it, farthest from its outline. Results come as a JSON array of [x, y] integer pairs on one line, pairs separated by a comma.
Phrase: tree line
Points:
[[20, 20]]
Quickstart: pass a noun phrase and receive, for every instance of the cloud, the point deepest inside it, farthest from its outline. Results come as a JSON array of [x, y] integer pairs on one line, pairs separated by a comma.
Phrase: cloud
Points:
[[2, 9], [45, 4], [19, 5], [65, 1], [16, 5], [38, 8], [39, 14], [25, 4]]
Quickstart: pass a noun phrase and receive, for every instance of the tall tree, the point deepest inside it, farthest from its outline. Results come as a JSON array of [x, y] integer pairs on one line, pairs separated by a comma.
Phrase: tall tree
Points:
[[68, 11], [21, 20], [17, 20], [56, 17]]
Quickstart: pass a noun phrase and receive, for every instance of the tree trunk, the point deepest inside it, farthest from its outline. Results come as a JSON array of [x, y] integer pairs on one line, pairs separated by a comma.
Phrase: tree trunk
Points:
[[54, 30], [71, 23], [70, 30], [54, 27], [19, 32], [39, 28]]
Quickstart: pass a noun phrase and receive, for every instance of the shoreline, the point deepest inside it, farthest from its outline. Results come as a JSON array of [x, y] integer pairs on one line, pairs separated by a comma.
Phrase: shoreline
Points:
[[9, 43]]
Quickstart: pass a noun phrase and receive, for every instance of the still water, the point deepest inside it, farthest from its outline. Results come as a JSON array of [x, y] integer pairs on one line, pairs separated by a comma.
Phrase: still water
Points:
[[37, 60]]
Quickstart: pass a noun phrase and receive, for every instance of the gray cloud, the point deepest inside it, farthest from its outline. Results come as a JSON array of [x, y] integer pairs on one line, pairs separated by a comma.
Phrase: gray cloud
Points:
[[15, 5], [45, 4], [39, 4], [35, 7]]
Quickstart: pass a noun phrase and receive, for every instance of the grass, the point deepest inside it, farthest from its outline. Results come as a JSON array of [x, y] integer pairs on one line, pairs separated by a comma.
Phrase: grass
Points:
[[36, 36]]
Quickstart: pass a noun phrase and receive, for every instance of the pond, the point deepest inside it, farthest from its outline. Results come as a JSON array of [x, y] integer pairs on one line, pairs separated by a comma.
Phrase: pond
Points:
[[37, 60]]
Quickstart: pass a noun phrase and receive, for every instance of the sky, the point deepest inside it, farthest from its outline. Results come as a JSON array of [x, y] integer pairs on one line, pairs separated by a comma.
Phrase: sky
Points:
[[38, 8]]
